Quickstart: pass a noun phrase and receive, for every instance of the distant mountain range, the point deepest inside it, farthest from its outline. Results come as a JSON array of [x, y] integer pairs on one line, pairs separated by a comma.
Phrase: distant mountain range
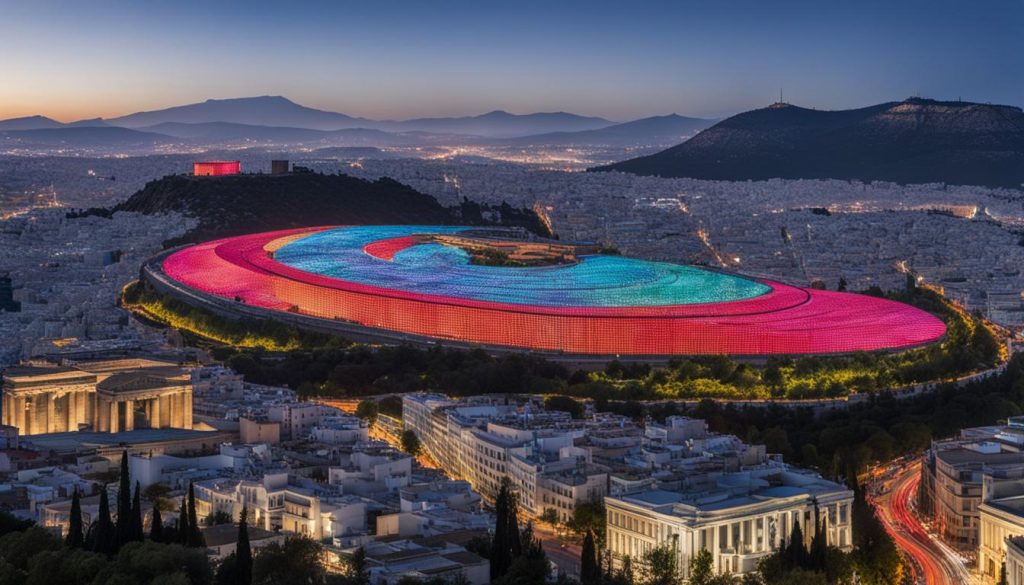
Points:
[[913, 141], [256, 111], [279, 120]]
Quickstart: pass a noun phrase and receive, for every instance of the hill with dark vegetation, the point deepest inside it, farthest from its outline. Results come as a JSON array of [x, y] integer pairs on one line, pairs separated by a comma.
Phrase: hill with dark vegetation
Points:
[[913, 141], [242, 204]]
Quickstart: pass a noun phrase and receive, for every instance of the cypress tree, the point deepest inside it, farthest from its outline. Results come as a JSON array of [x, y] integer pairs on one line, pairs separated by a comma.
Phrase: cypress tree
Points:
[[124, 503], [75, 538], [184, 531], [514, 538], [156, 529], [590, 572], [104, 534], [359, 574], [136, 518], [501, 553], [243, 551], [796, 552], [195, 532], [819, 543]]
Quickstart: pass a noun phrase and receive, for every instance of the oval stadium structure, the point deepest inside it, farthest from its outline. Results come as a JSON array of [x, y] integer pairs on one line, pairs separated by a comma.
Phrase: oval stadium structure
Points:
[[475, 287]]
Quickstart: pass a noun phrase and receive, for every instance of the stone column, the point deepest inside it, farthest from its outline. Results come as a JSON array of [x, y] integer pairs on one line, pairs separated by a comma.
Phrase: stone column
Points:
[[50, 401], [71, 418], [21, 421], [129, 415], [154, 413], [187, 410], [177, 411], [115, 423]]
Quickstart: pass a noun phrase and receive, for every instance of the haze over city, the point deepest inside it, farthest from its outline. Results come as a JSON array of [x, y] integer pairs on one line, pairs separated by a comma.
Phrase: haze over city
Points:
[[512, 293]]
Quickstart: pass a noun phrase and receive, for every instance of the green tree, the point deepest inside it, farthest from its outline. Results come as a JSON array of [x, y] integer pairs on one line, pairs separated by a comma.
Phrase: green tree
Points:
[[136, 533], [796, 552], [368, 410], [11, 523], [549, 515], [564, 404], [589, 517], [358, 574], [243, 550], [660, 566], [702, 569], [184, 529], [76, 536], [124, 501], [506, 545], [818, 555], [590, 572], [195, 532], [529, 564], [227, 571], [156, 527], [103, 533], [411, 442], [150, 562], [296, 561]]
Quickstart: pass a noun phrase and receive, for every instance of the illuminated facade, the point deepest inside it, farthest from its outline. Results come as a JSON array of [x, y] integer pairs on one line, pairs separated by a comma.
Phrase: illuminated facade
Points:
[[216, 168], [106, 396], [399, 282]]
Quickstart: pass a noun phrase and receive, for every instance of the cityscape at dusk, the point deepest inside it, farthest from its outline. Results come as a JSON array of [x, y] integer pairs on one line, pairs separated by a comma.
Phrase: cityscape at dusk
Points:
[[462, 293]]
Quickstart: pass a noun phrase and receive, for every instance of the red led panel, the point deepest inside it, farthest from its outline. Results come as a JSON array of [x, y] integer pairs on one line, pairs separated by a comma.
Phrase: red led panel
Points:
[[216, 168]]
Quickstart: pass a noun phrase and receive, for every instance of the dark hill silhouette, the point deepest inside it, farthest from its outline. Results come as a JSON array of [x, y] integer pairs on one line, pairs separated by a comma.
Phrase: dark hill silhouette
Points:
[[242, 204], [29, 123], [913, 141], [258, 111]]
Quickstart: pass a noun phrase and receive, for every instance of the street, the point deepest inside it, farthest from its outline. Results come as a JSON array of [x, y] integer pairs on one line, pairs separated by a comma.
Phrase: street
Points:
[[933, 562], [563, 552]]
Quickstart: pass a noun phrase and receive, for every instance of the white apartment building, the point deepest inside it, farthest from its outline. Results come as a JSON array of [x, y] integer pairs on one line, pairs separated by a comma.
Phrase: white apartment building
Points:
[[1001, 518], [484, 443], [739, 517], [1015, 560]]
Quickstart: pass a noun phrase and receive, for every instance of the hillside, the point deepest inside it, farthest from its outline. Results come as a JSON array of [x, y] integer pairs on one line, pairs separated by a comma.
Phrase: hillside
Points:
[[241, 204], [82, 136], [655, 130], [260, 111], [914, 141], [28, 123]]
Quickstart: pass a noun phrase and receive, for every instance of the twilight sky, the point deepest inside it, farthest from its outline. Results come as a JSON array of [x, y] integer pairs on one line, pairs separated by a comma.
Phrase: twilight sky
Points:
[[390, 59]]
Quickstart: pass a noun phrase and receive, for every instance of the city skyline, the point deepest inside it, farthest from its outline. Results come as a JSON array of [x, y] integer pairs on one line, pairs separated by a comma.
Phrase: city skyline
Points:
[[71, 62]]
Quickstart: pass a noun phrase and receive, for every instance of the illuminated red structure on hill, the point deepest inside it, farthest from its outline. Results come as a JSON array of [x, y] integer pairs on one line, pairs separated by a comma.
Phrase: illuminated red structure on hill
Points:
[[778, 320], [216, 168]]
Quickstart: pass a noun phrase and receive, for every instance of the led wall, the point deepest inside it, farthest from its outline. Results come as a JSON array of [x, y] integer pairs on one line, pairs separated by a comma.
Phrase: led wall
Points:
[[216, 168], [385, 278]]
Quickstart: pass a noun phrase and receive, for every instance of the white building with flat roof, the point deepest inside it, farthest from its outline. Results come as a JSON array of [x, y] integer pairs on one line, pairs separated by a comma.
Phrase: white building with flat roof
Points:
[[740, 517]]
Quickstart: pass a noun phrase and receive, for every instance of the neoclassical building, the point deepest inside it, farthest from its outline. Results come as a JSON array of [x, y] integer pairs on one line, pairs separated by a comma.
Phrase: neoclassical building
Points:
[[105, 396]]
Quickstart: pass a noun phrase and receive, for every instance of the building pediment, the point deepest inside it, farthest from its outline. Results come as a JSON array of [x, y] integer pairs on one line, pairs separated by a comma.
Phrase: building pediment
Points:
[[138, 381]]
